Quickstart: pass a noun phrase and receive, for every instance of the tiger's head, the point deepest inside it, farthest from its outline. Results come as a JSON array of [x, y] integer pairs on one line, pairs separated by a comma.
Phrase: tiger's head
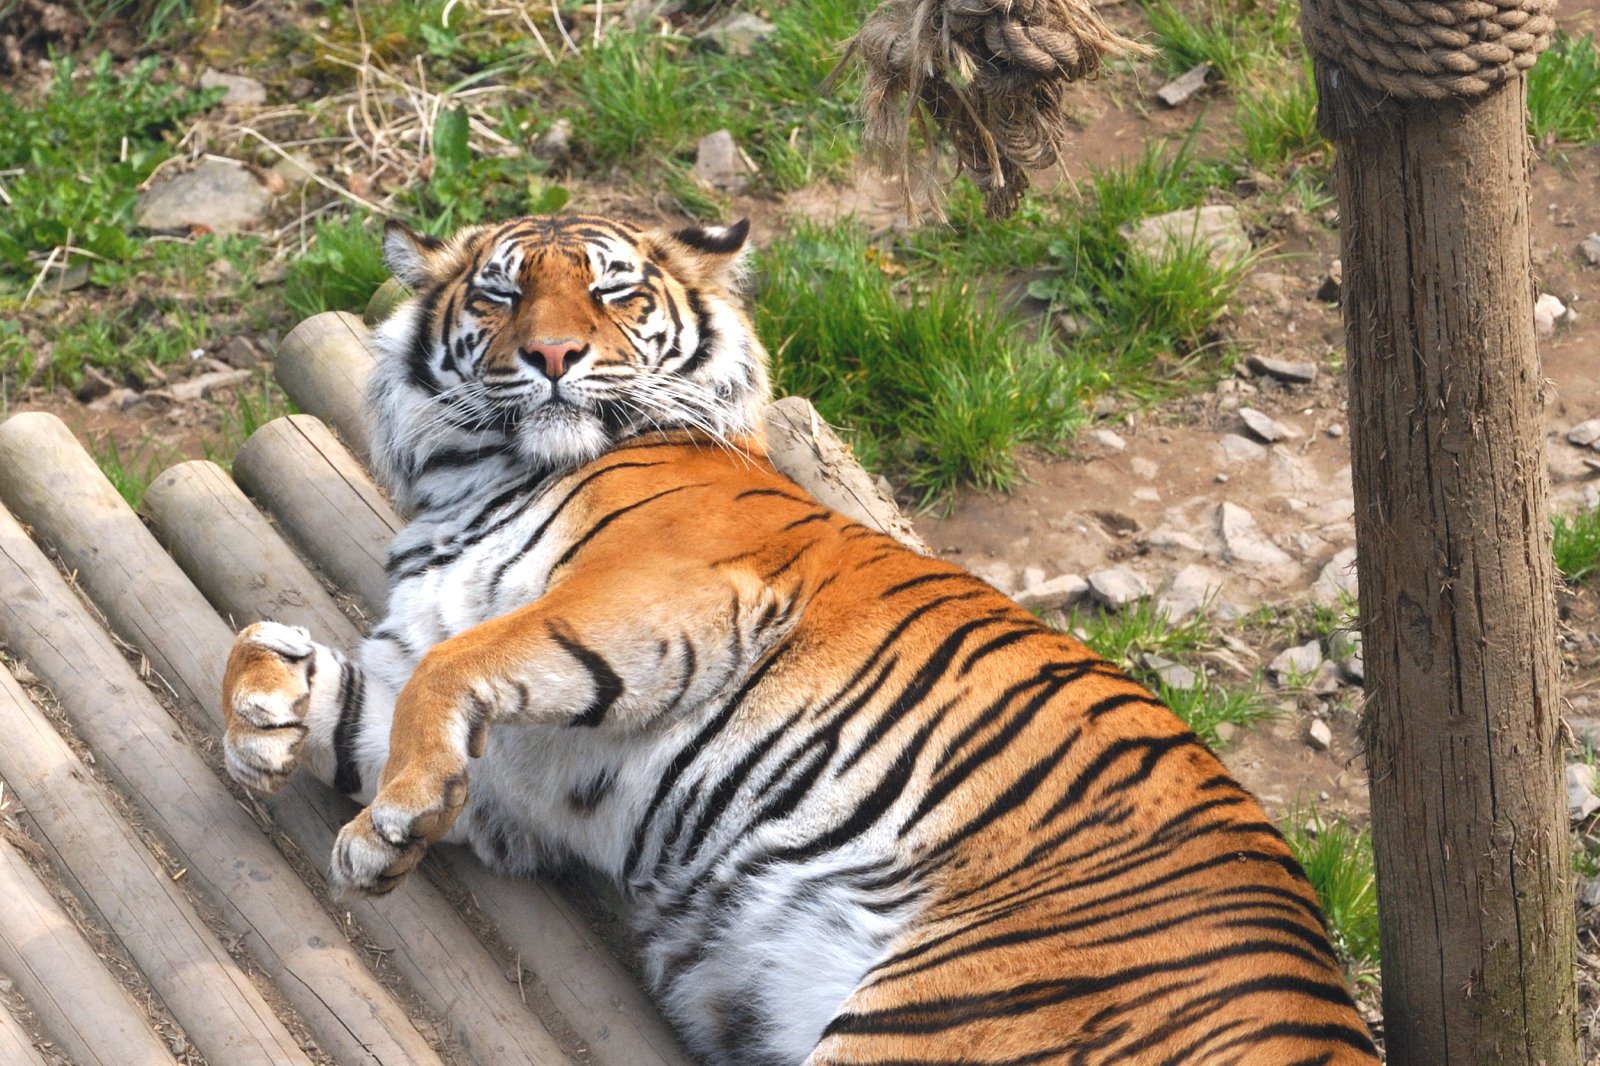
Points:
[[532, 346]]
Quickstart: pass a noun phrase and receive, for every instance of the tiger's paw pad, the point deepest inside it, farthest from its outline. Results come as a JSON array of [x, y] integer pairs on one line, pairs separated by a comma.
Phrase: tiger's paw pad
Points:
[[378, 847], [266, 693]]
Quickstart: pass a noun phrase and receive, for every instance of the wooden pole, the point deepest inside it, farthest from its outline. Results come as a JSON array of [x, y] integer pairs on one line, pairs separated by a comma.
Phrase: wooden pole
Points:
[[1453, 542], [221, 1012], [323, 365]]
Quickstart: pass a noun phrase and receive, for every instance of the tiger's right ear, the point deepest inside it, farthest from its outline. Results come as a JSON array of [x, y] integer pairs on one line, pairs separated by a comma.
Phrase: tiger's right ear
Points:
[[409, 254]]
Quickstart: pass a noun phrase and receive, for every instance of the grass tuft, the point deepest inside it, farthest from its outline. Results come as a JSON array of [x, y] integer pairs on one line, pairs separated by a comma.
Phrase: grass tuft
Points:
[[1577, 544], [1564, 91], [1337, 859], [1235, 37], [340, 269], [1277, 120]]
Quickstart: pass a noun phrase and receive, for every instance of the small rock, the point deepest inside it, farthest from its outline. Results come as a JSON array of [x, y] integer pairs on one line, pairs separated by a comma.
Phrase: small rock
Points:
[[1319, 736], [1332, 283], [217, 196], [1174, 675], [1216, 226], [1221, 479], [719, 162], [996, 573], [1225, 731], [1242, 539], [1336, 431], [65, 276], [1180, 89], [1585, 434], [1172, 542], [1581, 800], [1283, 369], [1586, 731], [201, 387], [240, 353], [1237, 450], [555, 143], [295, 169], [1192, 589], [1297, 663], [95, 385], [238, 90], [1031, 576], [1108, 439], [1547, 312], [1591, 894], [1327, 679], [1117, 587], [1268, 429], [1338, 579], [1055, 594], [736, 34], [1589, 248]]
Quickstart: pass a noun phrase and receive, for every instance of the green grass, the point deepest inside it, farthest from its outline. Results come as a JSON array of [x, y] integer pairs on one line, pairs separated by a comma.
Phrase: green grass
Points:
[[1577, 544], [1125, 637], [81, 151], [937, 382], [339, 269], [1564, 91], [1277, 120], [1337, 858], [131, 472], [1235, 36]]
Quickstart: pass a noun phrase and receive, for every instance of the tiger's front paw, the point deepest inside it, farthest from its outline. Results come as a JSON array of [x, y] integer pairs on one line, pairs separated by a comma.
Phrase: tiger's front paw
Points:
[[266, 691], [379, 846]]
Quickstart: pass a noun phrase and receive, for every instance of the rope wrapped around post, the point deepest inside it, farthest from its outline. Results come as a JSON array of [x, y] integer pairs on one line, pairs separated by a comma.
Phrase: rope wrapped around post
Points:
[[991, 74], [1370, 51]]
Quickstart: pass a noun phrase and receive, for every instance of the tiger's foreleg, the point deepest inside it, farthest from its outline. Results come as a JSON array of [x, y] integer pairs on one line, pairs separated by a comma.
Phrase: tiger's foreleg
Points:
[[610, 647]]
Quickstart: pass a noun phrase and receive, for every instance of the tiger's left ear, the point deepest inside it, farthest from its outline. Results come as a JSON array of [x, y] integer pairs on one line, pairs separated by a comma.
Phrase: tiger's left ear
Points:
[[410, 256], [709, 255]]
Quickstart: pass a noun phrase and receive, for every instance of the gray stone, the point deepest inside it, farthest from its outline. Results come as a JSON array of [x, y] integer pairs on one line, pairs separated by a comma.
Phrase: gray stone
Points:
[[1268, 429], [1237, 450], [1225, 731], [1586, 731], [1180, 89], [1216, 227], [1055, 594], [1191, 590], [240, 352], [219, 196], [1548, 311], [1338, 580], [1332, 283], [1589, 248], [238, 90], [1172, 542], [1109, 440], [1294, 373], [1585, 434], [1319, 736], [720, 163], [1327, 679], [555, 143], [997, 573], [1174, 675], [1581, 800], [1591, 894], [1243, 541], [1117, 587], [1336, 431], [1297, 663], [736, 34], [1031, 576]]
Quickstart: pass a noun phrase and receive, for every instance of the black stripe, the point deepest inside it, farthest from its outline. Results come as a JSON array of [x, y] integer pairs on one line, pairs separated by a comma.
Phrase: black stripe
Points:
[[607, 685], [593, 530], [352, 698]]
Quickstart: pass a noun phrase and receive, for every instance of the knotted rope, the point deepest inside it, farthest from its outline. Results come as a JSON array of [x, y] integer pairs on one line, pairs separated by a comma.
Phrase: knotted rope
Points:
[[1428, 49], [991, 74]]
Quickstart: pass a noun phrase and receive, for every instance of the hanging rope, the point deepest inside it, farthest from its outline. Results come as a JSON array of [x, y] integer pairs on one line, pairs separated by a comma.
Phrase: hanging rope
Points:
[[990, 74], [1427, 50]]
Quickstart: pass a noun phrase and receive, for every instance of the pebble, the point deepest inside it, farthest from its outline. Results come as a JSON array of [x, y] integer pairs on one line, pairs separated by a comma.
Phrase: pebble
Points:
[[1191, 589], [1585, 434], [1242, 539], [1319, 736], [720, 163], [1332, 283], [1117, 587], [555, 143], [218, 196], [1336, 431], [1591, 894], [238, 90], [1054, 594], [1265, 427], [1299, 662], [1581, 800], [997, 573], [1237, 450], [1172, 541], [1216, 226], [1328, 678], [736, 34], [1173, 674], [1108, 439], [1548, 312], [1226, 731], [1294, 373], [1338, 579], [1221, 479], [1180, 89], [1589, 248]]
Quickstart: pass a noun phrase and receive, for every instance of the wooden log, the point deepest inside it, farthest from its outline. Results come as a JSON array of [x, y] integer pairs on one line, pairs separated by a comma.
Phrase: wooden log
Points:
[[323, 499], [79, 1004], [213, 529], [229, 860], [130, 894], [16, 1046], [323, 365]]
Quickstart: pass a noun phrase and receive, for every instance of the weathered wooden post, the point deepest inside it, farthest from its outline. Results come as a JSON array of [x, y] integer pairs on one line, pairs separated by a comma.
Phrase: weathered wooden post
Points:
[[1425, 103]]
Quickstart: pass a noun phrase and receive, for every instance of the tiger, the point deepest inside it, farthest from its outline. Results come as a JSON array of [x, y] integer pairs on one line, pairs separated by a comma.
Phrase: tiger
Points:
[[862, 807]]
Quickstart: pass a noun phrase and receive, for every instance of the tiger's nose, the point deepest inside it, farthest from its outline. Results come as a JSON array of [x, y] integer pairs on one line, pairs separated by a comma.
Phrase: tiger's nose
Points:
[[550, 356]]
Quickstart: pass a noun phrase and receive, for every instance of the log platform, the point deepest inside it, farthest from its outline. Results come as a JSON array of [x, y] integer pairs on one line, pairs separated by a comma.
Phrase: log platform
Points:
[[115, 794]]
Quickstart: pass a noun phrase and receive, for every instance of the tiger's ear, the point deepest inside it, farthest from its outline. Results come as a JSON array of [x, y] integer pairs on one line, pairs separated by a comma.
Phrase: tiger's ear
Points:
[[709, 255], [411, 257]]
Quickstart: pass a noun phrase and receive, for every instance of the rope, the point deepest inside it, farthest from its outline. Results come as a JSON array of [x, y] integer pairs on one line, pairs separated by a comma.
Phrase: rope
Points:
[[991, 74], [1428, 49]]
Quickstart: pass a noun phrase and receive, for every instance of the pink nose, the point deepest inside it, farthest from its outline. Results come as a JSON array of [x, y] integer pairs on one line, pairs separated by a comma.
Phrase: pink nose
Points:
[[551, 356]]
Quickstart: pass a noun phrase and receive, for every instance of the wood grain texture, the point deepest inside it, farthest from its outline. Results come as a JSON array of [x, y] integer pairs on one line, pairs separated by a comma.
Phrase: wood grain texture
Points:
[[323, 365], [16, 1047], [133, 897], [80, 1005]]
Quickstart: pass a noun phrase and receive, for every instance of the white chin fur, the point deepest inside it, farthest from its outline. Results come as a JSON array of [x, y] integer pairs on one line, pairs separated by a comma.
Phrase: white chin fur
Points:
[[560, 436]]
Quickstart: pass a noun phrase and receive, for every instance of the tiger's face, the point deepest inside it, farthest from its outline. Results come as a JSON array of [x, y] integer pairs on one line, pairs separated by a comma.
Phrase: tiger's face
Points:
[[544, 340]]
